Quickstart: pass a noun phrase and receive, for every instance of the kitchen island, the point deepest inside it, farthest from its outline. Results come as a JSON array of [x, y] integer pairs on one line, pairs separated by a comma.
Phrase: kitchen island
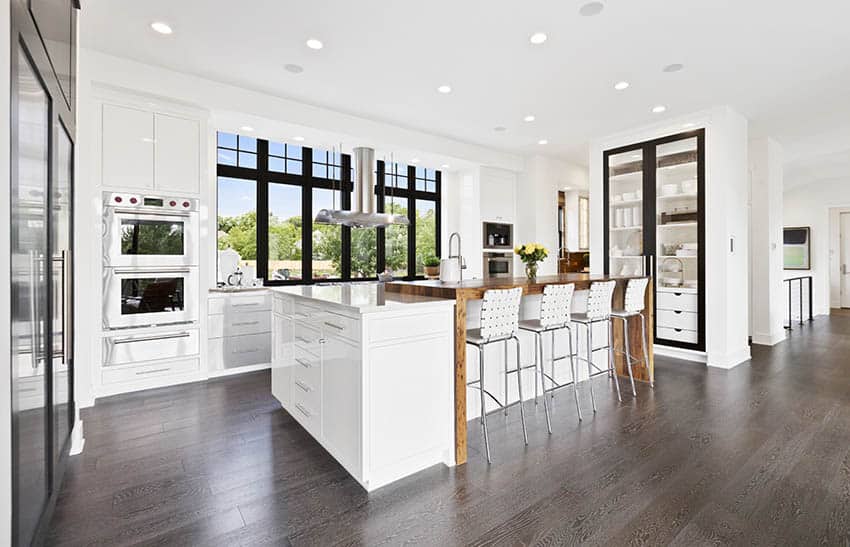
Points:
[[462, 293], [369, 374]]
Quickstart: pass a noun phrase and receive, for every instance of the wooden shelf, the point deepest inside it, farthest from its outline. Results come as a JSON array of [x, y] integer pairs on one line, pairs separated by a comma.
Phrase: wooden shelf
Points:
[[675, 256], [678, 224], [680, 196], [625, 203], [630, 228], [679, 158]]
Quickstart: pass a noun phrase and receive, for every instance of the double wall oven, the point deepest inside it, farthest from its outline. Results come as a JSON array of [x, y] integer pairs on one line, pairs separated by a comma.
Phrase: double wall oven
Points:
[[150, 274]]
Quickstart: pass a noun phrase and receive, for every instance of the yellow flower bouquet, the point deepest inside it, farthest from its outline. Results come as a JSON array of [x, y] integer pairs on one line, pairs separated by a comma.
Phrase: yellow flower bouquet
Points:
[[531, 254]]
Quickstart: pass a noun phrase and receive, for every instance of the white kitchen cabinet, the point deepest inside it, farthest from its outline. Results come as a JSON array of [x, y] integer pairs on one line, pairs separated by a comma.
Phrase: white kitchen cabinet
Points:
[[177, 154], [128, 147], [239, 330], [498, 195], [341, 399], [282, 358]]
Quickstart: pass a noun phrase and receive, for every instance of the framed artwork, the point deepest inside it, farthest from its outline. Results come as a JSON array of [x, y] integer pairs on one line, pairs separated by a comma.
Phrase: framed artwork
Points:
[[797, 248]]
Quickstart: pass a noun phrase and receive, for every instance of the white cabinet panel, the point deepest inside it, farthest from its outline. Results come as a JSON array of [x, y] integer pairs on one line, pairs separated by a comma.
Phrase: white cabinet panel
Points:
[[341, 404], [142, 372], [177, 154], [128, 147], [677, 335], [242, 351], [252, 322], [678, 301], [498, 195], [282, 360], [677, 319]]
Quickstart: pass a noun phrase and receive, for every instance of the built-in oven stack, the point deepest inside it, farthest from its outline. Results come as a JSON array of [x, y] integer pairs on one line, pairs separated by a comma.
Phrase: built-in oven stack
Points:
[[151, 290]]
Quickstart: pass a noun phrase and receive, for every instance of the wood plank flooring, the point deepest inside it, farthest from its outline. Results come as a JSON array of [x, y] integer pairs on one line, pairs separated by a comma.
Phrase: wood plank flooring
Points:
[[759, 455]]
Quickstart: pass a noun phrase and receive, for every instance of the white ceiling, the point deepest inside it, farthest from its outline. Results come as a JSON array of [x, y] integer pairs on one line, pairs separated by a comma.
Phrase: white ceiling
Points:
[[784, 64]]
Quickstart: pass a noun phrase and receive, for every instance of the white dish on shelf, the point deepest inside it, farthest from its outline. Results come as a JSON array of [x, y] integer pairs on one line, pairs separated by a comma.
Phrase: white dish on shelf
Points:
[[629, 196], [618, 198], [669, 189], [689, 187], [691, 284], [686, 252], [690, 246]]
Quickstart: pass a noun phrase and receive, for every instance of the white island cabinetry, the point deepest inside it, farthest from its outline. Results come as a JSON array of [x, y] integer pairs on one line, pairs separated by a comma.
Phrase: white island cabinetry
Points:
[[369, 376]]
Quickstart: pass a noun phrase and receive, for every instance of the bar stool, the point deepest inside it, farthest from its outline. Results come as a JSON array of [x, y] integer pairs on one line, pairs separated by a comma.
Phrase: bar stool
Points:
[[633, 305], [499, 323], [554, 316], [598, 311]]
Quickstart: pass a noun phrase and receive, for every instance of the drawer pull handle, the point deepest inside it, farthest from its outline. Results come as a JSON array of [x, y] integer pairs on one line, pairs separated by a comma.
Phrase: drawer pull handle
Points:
[[303, 410], [245, 323], [332, 325], [246, 305], [151, 338], [154, 371], [677, 312], [303, 386], [245, 351], [678, 330], [303, 363], [304, 340], [677, 293]]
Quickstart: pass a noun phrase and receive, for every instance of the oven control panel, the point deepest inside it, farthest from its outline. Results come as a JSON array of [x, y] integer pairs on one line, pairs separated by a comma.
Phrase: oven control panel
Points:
[[140, 201]]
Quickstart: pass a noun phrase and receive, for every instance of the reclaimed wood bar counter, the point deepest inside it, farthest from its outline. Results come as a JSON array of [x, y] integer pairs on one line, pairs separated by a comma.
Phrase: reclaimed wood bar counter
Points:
[[474, 289]]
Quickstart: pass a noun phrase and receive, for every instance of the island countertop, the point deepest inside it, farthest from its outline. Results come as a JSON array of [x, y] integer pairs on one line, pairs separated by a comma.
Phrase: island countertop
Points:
[[474, 289], [361, 297]]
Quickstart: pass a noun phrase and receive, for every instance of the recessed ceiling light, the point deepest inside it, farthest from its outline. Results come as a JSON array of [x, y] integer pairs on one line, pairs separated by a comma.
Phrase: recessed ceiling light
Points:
[[500, 129], [542, 141], [312, 43], [675, 67], [619, 86], [162, 28], [246, 128], [445, 166], [688, 125], [591, 8], [658, 109], [538, 38], [414, 160], [529, 118], [445, 89], [298, 139], [295, 69], [567, 188]]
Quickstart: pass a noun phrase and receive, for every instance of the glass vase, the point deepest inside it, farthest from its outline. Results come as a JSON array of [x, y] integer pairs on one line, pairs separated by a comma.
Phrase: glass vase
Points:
[[531, 271]]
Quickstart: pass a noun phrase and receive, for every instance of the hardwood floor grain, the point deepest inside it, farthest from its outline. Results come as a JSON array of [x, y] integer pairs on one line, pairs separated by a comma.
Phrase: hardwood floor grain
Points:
[[756, 455]]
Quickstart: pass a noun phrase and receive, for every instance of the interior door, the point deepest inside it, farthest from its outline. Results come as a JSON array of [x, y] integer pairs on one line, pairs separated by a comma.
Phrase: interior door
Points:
[[29, 193], [845, 260]]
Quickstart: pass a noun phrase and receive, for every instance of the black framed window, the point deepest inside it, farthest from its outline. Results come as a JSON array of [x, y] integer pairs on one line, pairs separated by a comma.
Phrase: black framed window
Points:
[[269, 193]]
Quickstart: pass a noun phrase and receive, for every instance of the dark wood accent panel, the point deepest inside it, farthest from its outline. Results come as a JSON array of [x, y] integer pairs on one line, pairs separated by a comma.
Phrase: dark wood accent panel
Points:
[[756, 455]]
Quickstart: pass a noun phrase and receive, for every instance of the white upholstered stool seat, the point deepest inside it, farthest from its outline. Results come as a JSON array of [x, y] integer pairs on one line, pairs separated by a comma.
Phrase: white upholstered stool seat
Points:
[[474, 337]]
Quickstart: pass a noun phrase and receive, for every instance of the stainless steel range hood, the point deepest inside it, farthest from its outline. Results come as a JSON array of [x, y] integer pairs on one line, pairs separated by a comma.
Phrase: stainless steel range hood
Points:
[[363, 214]]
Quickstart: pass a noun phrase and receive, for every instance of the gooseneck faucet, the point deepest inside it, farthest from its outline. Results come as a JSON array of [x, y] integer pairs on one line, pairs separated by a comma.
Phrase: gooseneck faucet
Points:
[[461, 263]]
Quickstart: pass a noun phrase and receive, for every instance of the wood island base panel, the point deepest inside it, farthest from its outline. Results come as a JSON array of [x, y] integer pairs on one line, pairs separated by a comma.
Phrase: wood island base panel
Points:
[[474, 289]]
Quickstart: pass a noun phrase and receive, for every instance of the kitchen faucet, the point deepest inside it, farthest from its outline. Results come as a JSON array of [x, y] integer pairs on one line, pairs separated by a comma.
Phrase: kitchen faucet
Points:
[[461, 263]]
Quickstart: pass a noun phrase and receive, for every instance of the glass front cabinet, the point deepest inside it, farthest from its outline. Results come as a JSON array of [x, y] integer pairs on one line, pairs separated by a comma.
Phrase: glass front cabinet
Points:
[[654, 196]]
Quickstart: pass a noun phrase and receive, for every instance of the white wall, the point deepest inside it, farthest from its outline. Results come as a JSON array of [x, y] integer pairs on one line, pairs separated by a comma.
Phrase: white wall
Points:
[[5, 243], [727, 219], [809, 205]]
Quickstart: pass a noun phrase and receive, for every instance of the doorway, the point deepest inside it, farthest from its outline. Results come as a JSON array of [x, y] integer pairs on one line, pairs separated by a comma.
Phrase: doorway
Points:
[[844, 256]]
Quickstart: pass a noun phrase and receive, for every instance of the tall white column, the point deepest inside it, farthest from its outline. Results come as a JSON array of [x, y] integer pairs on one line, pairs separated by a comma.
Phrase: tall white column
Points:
[[766, 242]]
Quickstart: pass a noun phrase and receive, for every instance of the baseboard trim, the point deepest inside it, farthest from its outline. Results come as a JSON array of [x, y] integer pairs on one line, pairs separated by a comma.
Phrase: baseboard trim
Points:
[[78, 441], [680, 353], [766, 339], [730, 360]]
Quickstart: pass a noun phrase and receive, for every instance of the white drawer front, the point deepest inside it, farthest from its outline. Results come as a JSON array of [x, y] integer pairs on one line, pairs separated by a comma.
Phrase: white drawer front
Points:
[[113, 375], [215, 354], [681, 335], [306, 312], [677, 301], [282, 304], [340, 325], [306, 338], [216, 305], [138, 348], [677, 320], [250, 302], [216, 326], [307, 415], [307, 389], [307, 367], [253, 322], [251, 349]]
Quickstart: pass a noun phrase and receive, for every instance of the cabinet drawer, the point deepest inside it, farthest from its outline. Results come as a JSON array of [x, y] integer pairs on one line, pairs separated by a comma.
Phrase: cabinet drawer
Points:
[[306, 312], [248, 322], [251, 349], [340, 325], [215, 326], [282, 305], [216, 305], [113, 375], [307, 415], [678, 335], [677, 301], [307, 367], [137, 348], [250, 302], [306, 338], [215, 354], [308, 392], [677, 319]]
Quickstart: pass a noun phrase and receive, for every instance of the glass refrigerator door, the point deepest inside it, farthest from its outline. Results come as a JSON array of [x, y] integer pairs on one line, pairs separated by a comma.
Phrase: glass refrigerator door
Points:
[[677, 240], [625, 215]]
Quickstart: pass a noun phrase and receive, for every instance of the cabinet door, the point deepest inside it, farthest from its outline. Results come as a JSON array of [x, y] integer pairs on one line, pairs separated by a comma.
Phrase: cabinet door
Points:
[[177, 157], [282, 359], [498, 196], [341, 405], [625, 212], [128, 147]]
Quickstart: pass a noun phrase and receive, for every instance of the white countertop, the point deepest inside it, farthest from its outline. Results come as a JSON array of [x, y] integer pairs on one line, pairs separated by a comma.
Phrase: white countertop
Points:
[[361, 297]]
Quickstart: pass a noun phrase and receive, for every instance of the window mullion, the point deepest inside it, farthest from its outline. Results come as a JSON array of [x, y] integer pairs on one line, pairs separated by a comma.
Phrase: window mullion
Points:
[[411, 229], [262, 208]]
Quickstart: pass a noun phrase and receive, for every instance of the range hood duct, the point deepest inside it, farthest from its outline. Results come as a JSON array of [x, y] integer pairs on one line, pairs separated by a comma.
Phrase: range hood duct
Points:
[[363, 215]]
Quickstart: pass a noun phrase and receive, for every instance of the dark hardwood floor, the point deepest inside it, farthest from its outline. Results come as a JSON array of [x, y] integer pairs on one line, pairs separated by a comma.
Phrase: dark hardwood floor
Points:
[[758, 455]]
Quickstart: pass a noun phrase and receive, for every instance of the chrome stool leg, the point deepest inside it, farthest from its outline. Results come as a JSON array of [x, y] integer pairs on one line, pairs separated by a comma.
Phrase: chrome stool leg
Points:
[[574, 371], [628, 353], [611, 369], [645, 353], [538, 348], [483, 401], [590, 363], [551, 358], [519, 389], [506, 377]]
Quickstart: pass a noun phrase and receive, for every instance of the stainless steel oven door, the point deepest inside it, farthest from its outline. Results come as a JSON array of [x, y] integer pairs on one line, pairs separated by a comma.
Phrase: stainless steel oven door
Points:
[[151, 296], [497, 265], [135, 238]]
